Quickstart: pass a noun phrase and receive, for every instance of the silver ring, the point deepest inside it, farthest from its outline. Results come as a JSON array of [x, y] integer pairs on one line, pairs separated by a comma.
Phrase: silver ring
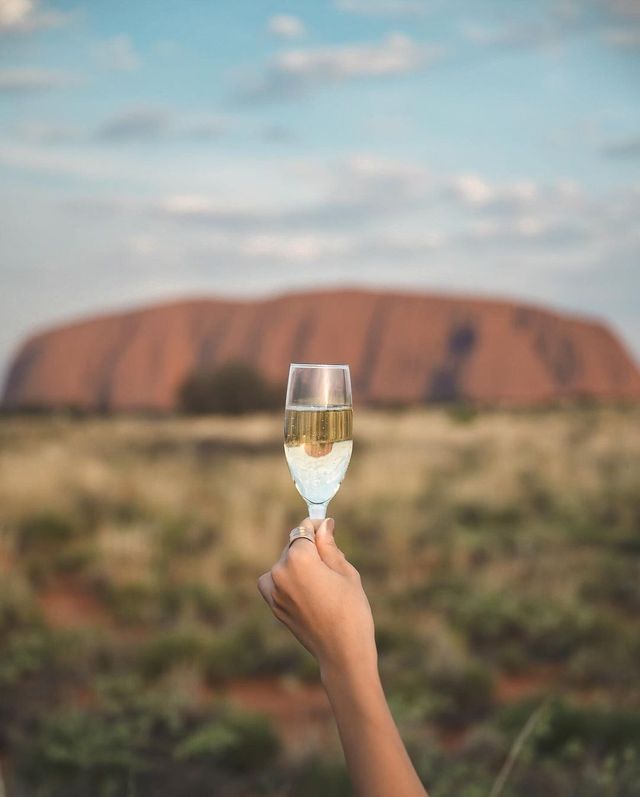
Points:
[[301, 533]]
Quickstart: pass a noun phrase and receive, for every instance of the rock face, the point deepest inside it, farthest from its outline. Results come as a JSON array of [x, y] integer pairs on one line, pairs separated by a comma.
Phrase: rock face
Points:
[[402, 348]]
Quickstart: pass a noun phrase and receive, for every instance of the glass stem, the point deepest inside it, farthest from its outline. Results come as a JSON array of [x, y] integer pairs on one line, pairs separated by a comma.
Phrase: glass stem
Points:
[[318, 511]]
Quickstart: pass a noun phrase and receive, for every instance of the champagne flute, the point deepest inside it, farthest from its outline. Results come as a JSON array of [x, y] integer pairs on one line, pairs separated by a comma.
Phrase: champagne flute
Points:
[[318, 420]]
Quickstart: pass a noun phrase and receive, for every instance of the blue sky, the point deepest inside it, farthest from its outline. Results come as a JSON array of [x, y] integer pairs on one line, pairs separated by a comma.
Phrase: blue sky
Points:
[[150, 150]]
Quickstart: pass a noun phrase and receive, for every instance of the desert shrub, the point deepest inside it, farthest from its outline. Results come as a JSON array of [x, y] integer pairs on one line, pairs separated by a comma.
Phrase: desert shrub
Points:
[[451, 698], [234, 388], [209, 605], [462, 413], [615, 581], [75, 753], [186, 537], [18, 610], [253, 648], [432, 675], [368, 557], [442, 592], [508, 543], [319, 777], [248, 648], [236, 741], [44, 530], [566, 727], [545, 630], [52, 543], [475, 514], [461, 695], [539, 497], [465, 771], [135, 602], [161, 602], [606, 665], [193, 599], [133, 741], [25, 653], [169, 649], [395, 638]]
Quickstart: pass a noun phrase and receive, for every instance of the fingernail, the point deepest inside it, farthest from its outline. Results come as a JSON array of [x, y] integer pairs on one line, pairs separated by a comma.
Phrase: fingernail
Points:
[[330, 524]]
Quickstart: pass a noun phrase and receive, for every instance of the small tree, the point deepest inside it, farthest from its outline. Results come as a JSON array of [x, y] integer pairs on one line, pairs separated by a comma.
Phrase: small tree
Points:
[[234, 388]]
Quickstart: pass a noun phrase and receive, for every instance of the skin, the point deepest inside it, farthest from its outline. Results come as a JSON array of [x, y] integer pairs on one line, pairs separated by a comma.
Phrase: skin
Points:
[[318, 595]]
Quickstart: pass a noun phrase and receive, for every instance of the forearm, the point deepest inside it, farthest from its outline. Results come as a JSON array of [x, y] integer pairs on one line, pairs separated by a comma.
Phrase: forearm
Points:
[[376, 757]]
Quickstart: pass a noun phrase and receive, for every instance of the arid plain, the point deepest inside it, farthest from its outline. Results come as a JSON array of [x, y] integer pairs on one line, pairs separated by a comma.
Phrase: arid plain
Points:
[[500, 551]]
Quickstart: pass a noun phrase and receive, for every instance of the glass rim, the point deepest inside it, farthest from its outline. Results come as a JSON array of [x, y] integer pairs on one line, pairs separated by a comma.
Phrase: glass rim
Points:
[[319, 365]]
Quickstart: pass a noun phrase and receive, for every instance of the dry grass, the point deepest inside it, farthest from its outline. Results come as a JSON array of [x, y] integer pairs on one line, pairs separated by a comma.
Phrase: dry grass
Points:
[[498, 550]]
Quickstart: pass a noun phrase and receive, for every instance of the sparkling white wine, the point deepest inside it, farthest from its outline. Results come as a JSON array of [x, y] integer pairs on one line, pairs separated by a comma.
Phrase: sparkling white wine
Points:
[[317, 445]]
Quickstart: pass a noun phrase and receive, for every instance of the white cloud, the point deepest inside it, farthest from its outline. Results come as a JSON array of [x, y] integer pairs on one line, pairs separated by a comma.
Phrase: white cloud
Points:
[[211, 127], [370, 180], [143, 245], [25, 16], [286, 26], [294, 72], [190, 205], [548, 32], [614, 22], [37, 160], [219, 224], [118, 53], [391, 8], [397, 54], [37, 132], [350, 193], [140, 122], [623, 148], [624, 38], [470, 189], [25, 80], [294, 248], [626, 9], [155, 123]]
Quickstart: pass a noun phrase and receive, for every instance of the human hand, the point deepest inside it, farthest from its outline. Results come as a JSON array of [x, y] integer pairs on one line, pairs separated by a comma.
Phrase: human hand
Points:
[[318, 595]]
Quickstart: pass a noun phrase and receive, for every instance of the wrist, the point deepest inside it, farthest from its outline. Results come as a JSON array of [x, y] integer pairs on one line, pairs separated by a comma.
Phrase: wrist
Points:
[[349, 670]]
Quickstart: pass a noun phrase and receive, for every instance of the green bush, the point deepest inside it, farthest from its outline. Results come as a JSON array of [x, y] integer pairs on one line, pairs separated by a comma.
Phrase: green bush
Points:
[[235, 741], [461, 695], [71, 753], [615, 581], [253, 649], [318, 777], [235, 388], [52, 543], [135, 742], [18, 610], [597, 730], [23, 654], [545, 630], [161, 653], [606, 665], [44, 530]]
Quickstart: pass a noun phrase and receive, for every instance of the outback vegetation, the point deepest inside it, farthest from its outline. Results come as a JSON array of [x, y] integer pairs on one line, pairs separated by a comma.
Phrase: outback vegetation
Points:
[[501, 553], [235, 388]]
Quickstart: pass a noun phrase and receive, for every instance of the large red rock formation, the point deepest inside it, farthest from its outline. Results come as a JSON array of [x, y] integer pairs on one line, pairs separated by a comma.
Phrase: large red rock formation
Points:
[[402, 348]]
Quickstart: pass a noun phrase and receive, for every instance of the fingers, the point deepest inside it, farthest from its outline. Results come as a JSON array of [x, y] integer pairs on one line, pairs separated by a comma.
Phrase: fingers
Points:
[[302, 547], [297, 555], [329, 552], [265, 587]]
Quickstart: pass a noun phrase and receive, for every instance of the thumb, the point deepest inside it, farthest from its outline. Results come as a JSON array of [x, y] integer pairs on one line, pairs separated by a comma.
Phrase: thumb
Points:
[[329, 552]]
